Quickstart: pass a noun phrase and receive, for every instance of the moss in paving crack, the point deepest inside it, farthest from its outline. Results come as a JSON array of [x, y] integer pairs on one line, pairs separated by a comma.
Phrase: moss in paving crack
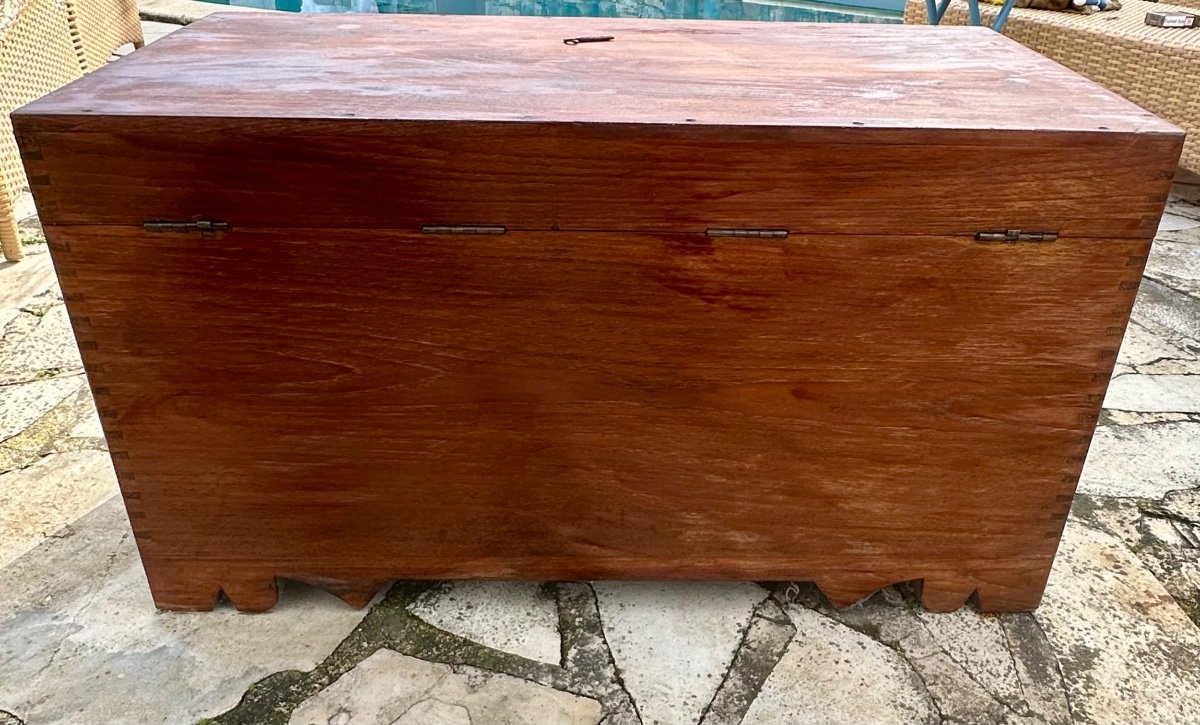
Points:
[[71, 445], [38, 309], [587, 656], [271, 700], [390, 625], [871, 630], [30, 232], [764, 642], [26, 447], [420, 639]]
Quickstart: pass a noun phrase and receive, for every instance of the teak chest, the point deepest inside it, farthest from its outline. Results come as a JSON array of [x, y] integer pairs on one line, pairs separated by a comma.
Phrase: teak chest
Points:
[[364, 298]]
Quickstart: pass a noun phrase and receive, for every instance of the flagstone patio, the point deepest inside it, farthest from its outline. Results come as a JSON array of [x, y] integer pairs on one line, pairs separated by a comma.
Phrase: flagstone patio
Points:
[[1115, 641]]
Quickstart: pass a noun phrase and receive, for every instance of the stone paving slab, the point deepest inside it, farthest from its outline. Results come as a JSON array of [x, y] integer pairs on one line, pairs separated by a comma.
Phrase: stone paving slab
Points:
[[182, 12], [690, 630], [516, 617], [81, 642], [1117, 639], [388, 687]]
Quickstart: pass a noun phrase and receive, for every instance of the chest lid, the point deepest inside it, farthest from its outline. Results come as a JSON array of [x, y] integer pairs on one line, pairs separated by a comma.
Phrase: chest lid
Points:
[[402, 121]]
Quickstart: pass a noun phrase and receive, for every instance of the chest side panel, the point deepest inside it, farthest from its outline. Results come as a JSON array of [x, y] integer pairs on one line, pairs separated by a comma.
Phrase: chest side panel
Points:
[[572, 406]]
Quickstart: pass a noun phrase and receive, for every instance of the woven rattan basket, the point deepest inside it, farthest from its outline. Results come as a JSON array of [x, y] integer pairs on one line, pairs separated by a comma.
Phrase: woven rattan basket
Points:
[[36, 56], [1156, 68]]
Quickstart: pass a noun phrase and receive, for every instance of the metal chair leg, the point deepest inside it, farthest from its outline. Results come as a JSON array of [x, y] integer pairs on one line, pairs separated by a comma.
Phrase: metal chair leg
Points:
[[936, 11], [1002, 17], [932, 11]]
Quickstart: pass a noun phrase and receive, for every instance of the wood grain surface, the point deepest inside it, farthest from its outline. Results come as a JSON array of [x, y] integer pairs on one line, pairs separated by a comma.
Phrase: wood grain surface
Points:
[[470, 68], [347, 406], [400, 121], [402, 175], [325, 393]]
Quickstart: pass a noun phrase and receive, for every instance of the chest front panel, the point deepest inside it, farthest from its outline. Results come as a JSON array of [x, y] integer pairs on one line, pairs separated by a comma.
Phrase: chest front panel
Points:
[[591, 405]]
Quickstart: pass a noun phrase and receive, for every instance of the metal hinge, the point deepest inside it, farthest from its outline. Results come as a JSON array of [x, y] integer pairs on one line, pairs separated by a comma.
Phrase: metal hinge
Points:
[[467, 229], [753, 233], [1012, 236], [203, 225]]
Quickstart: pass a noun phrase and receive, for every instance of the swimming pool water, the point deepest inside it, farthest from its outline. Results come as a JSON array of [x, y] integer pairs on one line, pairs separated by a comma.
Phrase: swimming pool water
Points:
[[870, 11]]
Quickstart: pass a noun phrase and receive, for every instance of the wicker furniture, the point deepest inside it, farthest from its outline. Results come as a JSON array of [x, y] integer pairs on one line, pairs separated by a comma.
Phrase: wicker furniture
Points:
[[935, 10], [98, 27], [45, 44], [36, 56], [1156, 68]]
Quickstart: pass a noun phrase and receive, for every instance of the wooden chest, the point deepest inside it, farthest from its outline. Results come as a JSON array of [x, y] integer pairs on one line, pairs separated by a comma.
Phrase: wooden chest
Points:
[[426, 297]]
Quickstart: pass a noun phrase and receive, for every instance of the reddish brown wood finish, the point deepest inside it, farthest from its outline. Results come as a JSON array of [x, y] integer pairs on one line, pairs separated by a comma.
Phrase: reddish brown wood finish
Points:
[[407, 67], [401, 175], [408, 120], [358, 405], [324, 393]]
